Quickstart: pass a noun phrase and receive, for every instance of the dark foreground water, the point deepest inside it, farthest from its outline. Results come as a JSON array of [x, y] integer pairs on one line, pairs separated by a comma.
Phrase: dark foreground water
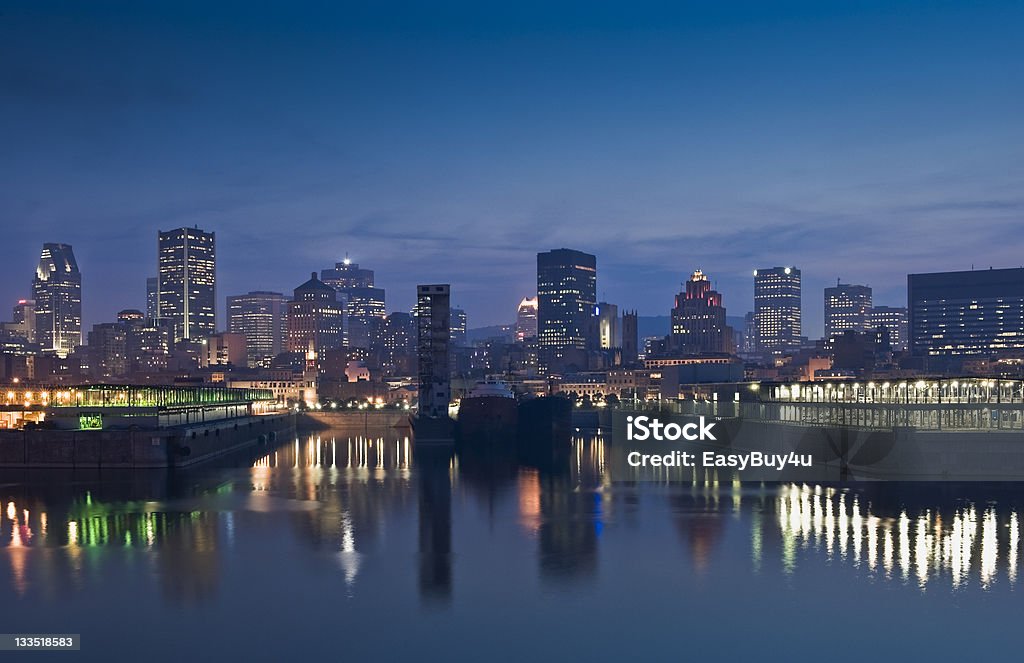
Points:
[[350, 549]]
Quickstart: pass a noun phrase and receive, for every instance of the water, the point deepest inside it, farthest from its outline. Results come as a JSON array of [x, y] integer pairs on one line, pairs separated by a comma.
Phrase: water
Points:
[[350, 548]]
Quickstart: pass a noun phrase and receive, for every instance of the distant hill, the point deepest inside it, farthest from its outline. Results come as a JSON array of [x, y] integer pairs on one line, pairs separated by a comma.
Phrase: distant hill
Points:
[[484, 333], [653, 325]]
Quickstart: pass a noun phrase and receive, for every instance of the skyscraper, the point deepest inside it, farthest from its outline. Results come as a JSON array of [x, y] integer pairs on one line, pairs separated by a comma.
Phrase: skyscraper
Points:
[[893, 319], [315, 321], [777, 309], [23, 324], [526, 319], [152, 297], [57, 290], [847, 308], [630, 337], [608, 331], [364, 303], [566, 301], [698, 319], [459, 325], [187, 282], [259, 316], [433, 322], [978, 313]]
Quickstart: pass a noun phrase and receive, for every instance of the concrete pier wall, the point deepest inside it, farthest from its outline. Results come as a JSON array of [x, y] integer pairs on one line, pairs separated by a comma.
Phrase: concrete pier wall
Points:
[[155, 448]]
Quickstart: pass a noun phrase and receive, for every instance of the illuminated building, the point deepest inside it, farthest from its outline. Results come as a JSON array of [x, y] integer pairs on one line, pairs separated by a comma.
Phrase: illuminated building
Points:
[[609, 334], [966, 313], [23, 324], [892, 319], [187, 281], [259, 316], [397, 344], [777, 309], [224, 350], [315, 320], [526, 319], [566, 302], [459, 323], [364, 303], [847, 308], [108, 350], [57, 290], [698, 319], [152, 288]]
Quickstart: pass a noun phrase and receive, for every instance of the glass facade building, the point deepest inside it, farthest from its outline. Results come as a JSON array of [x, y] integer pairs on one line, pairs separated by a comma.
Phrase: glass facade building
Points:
[[259, 316], [566, 300], [364, 302], [777, 309], [847, 308], [187, 282], [976, 313], [57, 291]]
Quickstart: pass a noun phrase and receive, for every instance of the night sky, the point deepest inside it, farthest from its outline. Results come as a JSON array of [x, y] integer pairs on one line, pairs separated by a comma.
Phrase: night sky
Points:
[[449, 142]]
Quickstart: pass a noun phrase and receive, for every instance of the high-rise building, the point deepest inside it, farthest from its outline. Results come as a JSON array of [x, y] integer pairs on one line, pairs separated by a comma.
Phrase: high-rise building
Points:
[[397, 344], [777, 309], [57, 291], [526, 319], [259, 316], [315, 321], [608, 328], [152, 297], [224, 350], [698, 319], [979, 313], [108, 350], [892, 319], [846, 308], [433, 322], [23, 324], [187, 282], [749, 334], [566, 301], [364, 303], [459, 325], [630, 337]]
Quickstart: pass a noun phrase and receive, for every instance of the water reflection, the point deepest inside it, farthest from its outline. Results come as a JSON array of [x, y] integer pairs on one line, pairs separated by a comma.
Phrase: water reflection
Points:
[[348, 500]]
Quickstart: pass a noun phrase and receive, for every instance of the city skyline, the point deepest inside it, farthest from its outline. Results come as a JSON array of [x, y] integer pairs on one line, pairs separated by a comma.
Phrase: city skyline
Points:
[[856, 142]]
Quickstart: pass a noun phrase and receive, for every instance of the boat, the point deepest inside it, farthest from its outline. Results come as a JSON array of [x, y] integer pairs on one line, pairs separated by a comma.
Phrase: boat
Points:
[[488, 415]]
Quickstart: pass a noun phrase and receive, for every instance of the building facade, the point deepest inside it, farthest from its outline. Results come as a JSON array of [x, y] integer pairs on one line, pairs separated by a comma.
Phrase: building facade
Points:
[[892, 319], [609, 330], [526, 319], [566, 302], [433, 345], [315, 321], [957, 314], [698, 319], [364, 302], [847, 308], [259, 316], [187, 282], [777, 309], [57, 291]]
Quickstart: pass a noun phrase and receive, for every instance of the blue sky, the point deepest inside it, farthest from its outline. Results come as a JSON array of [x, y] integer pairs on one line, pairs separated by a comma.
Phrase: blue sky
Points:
[[452, 141]]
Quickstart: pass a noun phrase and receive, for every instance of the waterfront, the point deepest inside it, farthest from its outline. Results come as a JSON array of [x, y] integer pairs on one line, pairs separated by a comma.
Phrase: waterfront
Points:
[[354, 548]]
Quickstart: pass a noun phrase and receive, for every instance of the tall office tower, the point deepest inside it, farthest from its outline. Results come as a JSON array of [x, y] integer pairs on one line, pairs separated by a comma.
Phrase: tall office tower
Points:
[[187, 282], [846, 308], [57, 290], [433, 340], [749, 333], [630, 337], [608, 330], [566, 302], [108, 350], [364, 303], [459, 324], [526, 319], [315, 321], [23, 324], [893, 319], [152, 296], [777, 309], [259, 316], [698, 318], [397, 344], [966, 313]]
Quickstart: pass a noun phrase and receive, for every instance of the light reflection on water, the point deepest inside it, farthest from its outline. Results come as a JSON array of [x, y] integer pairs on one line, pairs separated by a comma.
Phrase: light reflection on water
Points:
[[378, 514]]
